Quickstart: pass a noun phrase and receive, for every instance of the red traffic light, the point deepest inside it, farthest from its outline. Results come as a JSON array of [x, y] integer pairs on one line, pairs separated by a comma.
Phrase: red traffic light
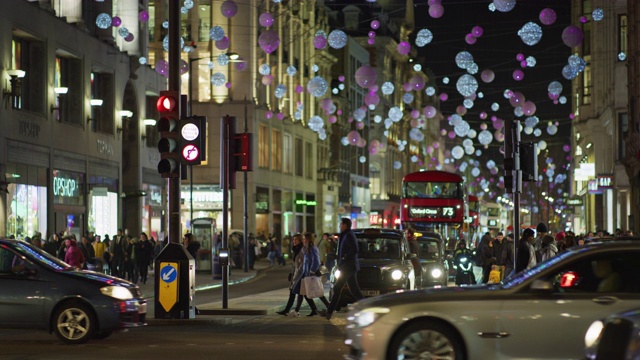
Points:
[[167, 103]]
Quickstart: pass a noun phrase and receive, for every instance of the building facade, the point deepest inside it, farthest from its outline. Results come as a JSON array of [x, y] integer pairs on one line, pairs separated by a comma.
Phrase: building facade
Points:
[[73, 155]]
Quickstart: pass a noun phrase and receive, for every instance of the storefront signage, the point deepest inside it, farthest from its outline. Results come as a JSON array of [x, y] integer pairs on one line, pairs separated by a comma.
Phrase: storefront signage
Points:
[[574, 201], [492, 223], [374, 218], [605, 181], [306, 202], [28, 129], [592, 187], [68, 187], [99, 191], [64, 187], [155, 198], [104, 148]]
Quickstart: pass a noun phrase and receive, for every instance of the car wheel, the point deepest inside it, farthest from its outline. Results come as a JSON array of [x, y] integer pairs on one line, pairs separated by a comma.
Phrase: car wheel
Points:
[[74, 323], [426, 340], [102, 335]]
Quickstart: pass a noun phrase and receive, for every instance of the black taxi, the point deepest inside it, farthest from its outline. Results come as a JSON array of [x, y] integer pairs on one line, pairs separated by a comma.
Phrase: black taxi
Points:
[[385, 263]]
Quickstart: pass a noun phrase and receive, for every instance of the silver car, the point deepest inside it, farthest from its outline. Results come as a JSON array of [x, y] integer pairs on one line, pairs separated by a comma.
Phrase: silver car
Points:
[[541, 313], [616, 337]]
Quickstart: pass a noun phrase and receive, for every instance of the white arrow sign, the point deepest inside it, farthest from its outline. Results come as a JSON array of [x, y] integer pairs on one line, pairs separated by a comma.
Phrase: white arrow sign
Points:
[[166, 276]]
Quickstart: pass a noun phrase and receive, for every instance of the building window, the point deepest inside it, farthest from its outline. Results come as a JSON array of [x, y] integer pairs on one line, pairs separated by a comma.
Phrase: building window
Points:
[[308, 155], [299, 157], [586, 82], [204, 20], [287, 151], [263, 146], [68, 74], [276, 150], [151, 132], [622, 35], [623, 128], [102, 116], [27, 55]]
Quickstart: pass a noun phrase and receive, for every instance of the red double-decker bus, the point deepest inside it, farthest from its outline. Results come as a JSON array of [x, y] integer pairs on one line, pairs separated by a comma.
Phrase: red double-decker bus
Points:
[[434, 201]]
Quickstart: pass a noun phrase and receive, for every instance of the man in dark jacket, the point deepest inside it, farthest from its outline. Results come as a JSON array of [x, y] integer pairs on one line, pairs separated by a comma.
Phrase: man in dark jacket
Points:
[[525, 255], [348, 265], [484, 256]]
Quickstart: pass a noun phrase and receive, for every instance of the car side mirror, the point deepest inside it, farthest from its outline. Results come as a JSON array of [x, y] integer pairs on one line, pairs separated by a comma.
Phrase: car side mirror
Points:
[[412, 256], [541, 285]]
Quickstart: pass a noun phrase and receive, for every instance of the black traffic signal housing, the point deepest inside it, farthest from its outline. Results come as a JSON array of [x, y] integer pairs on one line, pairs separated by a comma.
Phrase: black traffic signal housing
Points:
[[529, 161], [168, 126], [193, 146], [242, 146]]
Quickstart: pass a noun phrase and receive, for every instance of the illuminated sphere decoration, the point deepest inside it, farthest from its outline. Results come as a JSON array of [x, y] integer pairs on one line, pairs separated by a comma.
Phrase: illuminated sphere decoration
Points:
[[216, 33], [337, 39], [143, 16], [229, 8], [116, 21], [597, 14], [366, 76], [266, 19], [466, 85], [429, 111], [320, 42], [222, 44], [436, 11], [269, 41], [552, 129], [470, 39], [407, 98], [547, 16], [397, 165], [404, 48], [530, 33], [572, 36], [218, 79], [280, 91], [416, 134], [423, 37], [395, 114], [264, 69], [103, 21], [291, 70], [316, 123], [464, 59], [457, 152], [487, 75], [485, 137], [375, 24], [317, 86], [504, 5], [518, 75]]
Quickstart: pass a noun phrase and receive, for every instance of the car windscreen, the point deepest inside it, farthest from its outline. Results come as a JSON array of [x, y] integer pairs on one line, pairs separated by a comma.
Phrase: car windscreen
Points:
[[379, 248], [41, 256], [429, 249]]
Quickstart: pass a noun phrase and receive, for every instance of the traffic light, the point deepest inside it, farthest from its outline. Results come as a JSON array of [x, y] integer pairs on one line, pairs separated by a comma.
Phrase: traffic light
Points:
[[168, 106], [529, 161], [193, 135], [242, 146]]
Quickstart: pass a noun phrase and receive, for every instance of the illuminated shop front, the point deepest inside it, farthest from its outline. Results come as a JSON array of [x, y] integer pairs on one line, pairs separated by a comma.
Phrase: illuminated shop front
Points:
[[68, 201], [26, 204], [103, 205], [152, 211], [207, 203]]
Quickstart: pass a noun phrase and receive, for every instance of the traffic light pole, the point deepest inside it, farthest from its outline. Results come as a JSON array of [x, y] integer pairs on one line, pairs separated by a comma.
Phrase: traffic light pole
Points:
[[227, 129], [173, 201]]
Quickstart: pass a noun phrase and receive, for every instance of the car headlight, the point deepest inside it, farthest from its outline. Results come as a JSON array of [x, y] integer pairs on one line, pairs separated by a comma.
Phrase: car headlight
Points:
[[368, 316], [336, 274], [436, 273], [593, 333], [117, 292], [396, 274]]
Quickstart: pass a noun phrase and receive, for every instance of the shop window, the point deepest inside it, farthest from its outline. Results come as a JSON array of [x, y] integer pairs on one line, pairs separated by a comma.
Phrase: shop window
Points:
[[26, 200]]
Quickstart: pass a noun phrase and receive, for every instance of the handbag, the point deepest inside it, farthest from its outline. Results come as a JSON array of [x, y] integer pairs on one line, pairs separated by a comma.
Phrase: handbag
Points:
[[312, 287], [323, 270]]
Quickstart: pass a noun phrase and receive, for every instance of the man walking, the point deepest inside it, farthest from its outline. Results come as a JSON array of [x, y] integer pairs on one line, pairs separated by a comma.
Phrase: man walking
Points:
[[348, 265]]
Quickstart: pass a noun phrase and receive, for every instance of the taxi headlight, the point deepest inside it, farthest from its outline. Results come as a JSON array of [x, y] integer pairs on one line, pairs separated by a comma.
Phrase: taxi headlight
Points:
[[368, 316], [436, 273], [117, 292], [593, 333], [396, 274]]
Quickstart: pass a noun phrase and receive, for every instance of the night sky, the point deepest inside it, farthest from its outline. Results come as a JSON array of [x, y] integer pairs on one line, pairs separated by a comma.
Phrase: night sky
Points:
[[496, 49]]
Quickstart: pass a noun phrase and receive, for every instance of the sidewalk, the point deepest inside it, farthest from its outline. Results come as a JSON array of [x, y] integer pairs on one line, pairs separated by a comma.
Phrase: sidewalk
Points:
[[258, 304]]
